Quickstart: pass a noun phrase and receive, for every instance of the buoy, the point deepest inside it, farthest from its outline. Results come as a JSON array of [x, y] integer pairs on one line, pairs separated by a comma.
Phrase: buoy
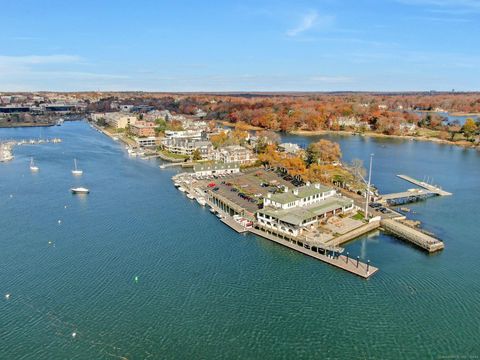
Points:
[[7, 296], [74, 334], [11, 196], [65, 206], [50, 242], [59, 221], [136, 279]]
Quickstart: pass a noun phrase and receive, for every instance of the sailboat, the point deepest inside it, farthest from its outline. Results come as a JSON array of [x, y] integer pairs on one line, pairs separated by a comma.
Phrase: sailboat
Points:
[[76, 171], [33, 167]]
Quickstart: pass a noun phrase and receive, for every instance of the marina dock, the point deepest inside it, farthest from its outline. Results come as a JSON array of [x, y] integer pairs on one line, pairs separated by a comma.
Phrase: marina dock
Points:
[[412, 235], [341, 261], [431, 188]]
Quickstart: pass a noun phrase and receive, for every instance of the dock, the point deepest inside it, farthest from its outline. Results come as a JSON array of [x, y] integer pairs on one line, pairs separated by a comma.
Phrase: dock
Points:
[[431, 188], [412, 235], [341, 261]]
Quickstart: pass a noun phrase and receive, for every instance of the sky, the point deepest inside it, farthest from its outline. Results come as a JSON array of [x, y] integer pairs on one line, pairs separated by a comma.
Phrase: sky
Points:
[[262, 45]]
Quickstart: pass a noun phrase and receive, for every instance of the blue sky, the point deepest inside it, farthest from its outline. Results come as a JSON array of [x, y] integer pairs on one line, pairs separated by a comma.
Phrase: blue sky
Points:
[[322, 45]]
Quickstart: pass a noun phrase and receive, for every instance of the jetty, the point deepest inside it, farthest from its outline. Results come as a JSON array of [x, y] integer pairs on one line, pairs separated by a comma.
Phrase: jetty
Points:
[[412, 235], [431, 188]]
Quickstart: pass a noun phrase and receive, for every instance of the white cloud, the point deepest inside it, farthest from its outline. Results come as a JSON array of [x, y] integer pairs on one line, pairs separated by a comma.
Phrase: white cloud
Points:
[[39, 59], [309, 21]]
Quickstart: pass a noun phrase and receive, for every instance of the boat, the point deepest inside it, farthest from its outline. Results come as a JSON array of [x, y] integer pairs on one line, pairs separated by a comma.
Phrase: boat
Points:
[[33, 167], [177, 185], [190, 196], [80, 190], [76, 171], [201, 201], [181, 189], [212, 210], [60, 122], [220, 216], [115, 138]]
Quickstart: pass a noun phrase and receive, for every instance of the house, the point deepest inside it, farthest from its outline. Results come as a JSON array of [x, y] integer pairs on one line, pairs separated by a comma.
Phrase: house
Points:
[[294, 211], [408, 127], [289, 148], [216, 169]]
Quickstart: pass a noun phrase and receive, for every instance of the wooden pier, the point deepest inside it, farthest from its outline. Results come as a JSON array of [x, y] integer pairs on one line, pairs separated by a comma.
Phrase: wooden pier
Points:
[[342, 262], [412, 235], [431, 188]]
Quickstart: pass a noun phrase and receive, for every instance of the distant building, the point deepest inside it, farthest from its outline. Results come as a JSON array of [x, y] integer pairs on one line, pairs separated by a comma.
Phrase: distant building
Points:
[[146, 142], [216, 169], [289, 148], [117, 120], [143, 128], [235, 154], [187, 146]]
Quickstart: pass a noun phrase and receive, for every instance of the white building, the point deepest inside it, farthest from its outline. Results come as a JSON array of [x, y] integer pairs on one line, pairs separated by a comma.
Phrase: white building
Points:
[[216, 169], [150, 141], [289, 148], [294, 211]]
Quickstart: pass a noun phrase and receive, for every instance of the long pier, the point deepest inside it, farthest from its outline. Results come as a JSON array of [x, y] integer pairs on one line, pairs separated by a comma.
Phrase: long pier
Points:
[[412, 235], [341, 261], [432, 188]]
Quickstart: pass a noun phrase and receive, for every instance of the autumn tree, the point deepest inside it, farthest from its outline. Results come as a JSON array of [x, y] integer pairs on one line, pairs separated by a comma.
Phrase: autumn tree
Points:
[[469, 128], [323, 151]]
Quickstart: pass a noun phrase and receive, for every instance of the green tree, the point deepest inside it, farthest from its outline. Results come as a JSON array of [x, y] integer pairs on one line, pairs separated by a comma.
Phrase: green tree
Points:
[[196, 155]]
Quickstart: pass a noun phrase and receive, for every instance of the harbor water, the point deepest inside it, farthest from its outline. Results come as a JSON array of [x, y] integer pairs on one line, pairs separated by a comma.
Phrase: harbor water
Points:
[[136, 270]]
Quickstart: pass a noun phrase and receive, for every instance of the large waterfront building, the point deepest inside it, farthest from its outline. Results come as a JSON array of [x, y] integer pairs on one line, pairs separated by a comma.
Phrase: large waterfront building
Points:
[[143, 128], [150, 141], [186, 146], [234, 154], [296, 210]]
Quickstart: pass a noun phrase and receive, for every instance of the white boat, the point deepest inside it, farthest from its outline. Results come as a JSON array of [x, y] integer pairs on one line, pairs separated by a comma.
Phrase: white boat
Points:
[[212, 210], [33, 167], [115, 138], [80, 190], [181, 189], [201, 201], [76, 171], [190, 196]]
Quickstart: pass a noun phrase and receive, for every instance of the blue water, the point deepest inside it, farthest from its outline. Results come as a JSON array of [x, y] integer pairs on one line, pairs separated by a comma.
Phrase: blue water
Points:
[[207, 292]]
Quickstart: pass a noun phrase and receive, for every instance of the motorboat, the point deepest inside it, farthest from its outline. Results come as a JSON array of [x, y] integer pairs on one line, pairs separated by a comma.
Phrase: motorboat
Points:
[[80, 190]]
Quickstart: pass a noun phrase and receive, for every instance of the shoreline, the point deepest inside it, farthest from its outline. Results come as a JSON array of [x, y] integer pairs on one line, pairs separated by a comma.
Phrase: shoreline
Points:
[[22, 125], [378, 135]]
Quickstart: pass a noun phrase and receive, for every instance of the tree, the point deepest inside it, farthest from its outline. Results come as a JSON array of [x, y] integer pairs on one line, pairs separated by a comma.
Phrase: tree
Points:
[[469, 128], [324, 151], [196, 155]]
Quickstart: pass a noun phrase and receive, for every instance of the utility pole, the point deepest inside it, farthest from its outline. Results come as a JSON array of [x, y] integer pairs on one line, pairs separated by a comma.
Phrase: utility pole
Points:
[[368, 187]]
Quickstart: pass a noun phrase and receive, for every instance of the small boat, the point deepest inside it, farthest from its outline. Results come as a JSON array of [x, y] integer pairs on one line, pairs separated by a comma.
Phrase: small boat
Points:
[[190, 196], [80, 190], [177, 185], [76, 171], [181, 189], [212, 210], [33, 167], [220, 216], [115, 138], [201, 201]]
